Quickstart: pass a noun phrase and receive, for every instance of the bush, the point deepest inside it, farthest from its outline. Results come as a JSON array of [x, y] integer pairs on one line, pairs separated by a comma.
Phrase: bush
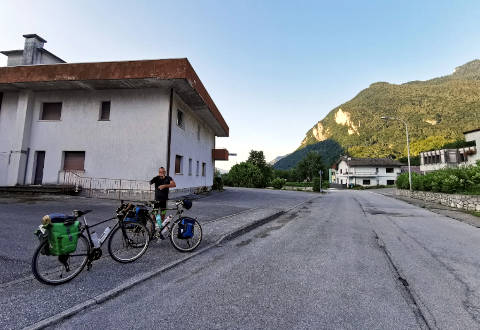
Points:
[[450, 180], [247, 175], [226, 180], [217, 183], [277, 183]]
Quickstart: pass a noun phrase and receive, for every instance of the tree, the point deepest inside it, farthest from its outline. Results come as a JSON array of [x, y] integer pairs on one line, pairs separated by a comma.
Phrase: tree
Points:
[[309, 166], [257, 158], [245, 174]]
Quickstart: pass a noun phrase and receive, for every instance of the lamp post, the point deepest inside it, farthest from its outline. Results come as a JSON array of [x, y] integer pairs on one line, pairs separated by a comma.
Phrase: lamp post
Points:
[[408, 147]]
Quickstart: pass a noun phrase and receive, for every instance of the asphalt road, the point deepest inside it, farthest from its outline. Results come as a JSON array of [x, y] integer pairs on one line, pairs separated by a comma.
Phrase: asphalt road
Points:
[[24, 301], [329, 265], [345, 260]]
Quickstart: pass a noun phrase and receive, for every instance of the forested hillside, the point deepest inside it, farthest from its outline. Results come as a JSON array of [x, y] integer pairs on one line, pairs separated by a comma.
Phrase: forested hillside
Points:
[[437, 111], [329, 149]]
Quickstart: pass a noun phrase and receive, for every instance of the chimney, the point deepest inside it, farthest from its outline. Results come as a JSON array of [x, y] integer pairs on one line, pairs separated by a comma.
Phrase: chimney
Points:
[[31, 50]]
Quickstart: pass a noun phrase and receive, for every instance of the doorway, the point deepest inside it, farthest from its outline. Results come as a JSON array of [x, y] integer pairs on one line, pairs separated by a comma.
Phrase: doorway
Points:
[[40, 161]]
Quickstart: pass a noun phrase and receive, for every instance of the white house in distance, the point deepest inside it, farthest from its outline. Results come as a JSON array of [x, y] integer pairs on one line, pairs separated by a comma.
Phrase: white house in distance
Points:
[[366, 171], [444, 158], [105, 122]]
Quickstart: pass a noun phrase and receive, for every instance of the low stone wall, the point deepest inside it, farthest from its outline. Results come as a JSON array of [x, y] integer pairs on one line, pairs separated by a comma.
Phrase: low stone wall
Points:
[[466, 202], [297, 188]]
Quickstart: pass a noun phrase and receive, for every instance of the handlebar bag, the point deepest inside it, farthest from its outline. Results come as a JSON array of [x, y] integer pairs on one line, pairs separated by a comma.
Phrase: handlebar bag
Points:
[[63, 236], [185, 228]]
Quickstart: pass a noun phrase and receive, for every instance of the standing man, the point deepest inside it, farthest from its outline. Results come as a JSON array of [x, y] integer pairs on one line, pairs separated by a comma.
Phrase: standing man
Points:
[[163, 183]]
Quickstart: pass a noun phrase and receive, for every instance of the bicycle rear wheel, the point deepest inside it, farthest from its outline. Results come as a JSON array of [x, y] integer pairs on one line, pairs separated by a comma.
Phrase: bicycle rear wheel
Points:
[[128, 242], [186, 244], [54, 270]]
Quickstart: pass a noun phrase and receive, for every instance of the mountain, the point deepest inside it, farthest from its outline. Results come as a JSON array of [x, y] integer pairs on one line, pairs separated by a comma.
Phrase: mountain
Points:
[[276, 159], [329, 149], [436, 110]]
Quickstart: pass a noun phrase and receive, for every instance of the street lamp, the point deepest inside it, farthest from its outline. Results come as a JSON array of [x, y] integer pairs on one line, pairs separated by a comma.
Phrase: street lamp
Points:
[[408, 147]]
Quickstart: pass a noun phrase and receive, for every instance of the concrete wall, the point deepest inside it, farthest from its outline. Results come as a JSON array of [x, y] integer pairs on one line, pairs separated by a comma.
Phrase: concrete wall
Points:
[[466, 202], [7, 128], [474, 136], [131, 145], [186, 143], [14, 60]]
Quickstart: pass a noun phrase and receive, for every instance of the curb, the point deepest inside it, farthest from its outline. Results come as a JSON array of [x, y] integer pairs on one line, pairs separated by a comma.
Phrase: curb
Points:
[[101, 298]]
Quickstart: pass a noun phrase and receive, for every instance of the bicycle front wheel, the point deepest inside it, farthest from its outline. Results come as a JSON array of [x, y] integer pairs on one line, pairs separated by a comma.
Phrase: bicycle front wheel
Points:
[[186, 244], [128, 242], [54, 270]]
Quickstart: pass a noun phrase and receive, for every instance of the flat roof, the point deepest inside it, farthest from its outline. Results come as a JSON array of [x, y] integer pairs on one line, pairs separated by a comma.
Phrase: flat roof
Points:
[[171, 73]]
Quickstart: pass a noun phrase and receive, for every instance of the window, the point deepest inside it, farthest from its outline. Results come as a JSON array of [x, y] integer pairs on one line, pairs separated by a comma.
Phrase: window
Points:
[[51, 111], [198, 166], [198, 132], [340, 171], [189, 166], [366, 182], [389, 169], [390, 182], [204, 167], [105, 111], [178, 164], [74, 161], [180, 119]]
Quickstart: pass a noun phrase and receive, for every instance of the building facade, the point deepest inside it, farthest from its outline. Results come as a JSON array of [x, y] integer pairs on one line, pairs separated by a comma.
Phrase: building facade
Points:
[[106, 121], [451, 158], [366, 171]]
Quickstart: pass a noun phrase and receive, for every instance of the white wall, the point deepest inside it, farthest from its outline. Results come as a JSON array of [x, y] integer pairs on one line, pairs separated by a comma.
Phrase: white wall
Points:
[[360, 173], [7, 132], [474, 136], [131, 145], [185, 143]]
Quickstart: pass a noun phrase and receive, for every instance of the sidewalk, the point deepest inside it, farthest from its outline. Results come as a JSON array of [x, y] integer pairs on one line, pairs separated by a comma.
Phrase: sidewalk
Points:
[[25, 301], [450, 212]]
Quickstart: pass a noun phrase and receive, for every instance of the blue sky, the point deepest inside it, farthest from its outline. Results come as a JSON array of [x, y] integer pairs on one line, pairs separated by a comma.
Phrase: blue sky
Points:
[[274, 68]]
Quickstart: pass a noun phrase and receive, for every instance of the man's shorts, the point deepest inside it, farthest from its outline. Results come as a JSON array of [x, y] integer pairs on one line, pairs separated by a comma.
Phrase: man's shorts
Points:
[[162, 205]]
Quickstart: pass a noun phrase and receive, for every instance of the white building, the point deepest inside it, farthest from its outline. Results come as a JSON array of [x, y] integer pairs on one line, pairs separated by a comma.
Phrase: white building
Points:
[[105, 121], [448, 158], [366, 171]]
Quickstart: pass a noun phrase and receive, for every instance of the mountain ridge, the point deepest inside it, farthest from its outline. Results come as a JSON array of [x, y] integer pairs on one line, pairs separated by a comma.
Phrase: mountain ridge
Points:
[[442, 106]]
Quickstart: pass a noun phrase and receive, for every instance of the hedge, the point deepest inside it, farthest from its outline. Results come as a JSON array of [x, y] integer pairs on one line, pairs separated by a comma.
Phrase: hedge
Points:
[[464, 180]]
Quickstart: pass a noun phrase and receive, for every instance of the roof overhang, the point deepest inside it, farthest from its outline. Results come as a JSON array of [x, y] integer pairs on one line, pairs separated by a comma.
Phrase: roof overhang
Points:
[[171, 73], [472, 131]]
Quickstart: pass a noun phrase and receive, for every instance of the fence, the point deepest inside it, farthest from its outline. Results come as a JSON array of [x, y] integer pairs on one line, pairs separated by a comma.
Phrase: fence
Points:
[[118, 188]]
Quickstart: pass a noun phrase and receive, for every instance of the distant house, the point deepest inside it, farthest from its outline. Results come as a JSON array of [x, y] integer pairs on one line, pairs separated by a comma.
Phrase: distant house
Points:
[[366, 171], [448, 158], [111, 124]]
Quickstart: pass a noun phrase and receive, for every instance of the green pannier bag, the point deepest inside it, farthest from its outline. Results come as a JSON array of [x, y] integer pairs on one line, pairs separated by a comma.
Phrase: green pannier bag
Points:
[[62, 237]]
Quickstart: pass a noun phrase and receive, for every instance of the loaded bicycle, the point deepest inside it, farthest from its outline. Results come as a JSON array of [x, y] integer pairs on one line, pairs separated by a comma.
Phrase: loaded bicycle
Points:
[[185, 233], [67, 246]]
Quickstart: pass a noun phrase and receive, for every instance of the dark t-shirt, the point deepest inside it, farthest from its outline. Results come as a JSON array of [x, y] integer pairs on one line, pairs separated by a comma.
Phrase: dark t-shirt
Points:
[[158, 181]]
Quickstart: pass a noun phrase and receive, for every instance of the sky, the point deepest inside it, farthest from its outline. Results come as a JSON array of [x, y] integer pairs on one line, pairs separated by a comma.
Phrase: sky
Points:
[[273, 68]]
